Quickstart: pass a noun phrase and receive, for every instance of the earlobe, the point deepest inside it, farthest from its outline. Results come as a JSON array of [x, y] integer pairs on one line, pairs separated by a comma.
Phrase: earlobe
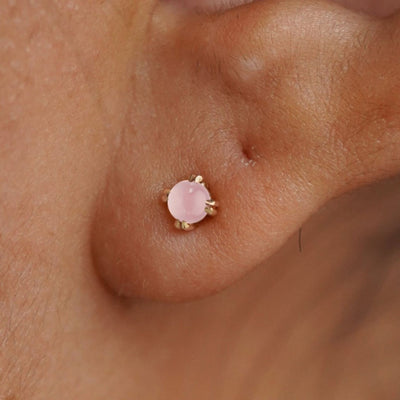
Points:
[[189, 202], [139, 253], [273, 148]]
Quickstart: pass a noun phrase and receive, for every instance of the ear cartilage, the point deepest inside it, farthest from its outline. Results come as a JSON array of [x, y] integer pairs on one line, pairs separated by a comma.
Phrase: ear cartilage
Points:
[[189, 202]]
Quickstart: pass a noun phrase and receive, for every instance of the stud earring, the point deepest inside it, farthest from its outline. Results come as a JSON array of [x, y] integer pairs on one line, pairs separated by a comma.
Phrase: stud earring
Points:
[[189, 202]]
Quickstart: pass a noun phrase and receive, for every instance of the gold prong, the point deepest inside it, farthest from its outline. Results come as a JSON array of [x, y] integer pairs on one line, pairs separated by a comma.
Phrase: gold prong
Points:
[[186, 226], [212, 203], [178, 224], [165, 194], [211, 211], [192, 178]]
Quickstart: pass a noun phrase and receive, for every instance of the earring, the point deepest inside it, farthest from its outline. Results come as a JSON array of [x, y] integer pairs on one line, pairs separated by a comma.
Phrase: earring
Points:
[[189, 202]]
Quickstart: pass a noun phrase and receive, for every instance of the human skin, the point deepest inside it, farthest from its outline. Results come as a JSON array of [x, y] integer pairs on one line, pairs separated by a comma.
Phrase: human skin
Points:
[[284, 107]]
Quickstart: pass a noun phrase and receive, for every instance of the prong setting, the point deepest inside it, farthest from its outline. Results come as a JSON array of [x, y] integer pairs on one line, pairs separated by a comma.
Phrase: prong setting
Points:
[[196, 178], [211, 208], [184, 202], [165, 194], [212, 203], [183, 225], [211, 211]]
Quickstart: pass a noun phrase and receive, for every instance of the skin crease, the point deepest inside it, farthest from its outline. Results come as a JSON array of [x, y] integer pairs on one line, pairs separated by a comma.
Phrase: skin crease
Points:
[[88, 140], [239, 89]]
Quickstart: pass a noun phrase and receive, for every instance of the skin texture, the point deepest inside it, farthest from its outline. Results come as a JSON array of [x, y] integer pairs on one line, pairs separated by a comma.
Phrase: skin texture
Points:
[[285, 107], [265, 108]]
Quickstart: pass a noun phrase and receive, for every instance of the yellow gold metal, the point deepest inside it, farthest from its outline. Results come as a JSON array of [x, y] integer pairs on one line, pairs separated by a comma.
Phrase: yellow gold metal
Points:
[[210, 208], [196, 178], [186, 226], [210, 211], [183, 225], [177, 224], [212, 203], [165, 194]]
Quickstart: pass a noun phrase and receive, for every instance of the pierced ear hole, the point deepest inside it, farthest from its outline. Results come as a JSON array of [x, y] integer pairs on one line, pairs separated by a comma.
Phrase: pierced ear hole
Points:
[[250, 156]]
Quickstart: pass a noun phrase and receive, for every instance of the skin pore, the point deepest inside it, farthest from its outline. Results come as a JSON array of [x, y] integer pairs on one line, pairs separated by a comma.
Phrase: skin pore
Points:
[[290, 111]]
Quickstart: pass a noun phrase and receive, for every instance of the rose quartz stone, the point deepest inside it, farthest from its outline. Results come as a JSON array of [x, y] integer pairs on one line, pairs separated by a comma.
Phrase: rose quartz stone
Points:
[[187, 201]]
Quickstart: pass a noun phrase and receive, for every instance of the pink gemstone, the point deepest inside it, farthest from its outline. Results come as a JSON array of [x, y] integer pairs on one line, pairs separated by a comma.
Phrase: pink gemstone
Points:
[[187, 201]]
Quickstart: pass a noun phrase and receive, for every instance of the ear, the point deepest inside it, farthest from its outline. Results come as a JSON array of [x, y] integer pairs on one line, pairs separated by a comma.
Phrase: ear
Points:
[[269, 103]]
